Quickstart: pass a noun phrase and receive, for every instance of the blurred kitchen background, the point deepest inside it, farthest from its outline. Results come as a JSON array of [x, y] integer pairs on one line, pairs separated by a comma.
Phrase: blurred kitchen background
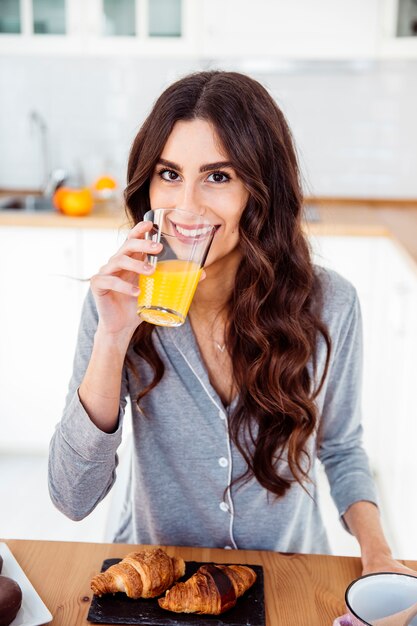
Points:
[[77, 79]]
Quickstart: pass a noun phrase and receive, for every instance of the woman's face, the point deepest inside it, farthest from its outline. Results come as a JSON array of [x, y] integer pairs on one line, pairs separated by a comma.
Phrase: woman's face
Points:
[[194, 174]]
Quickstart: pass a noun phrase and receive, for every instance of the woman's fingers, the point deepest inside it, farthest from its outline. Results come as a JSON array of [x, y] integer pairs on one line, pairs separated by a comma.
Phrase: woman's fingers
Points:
[[144, 246], [128, 263], [121, 272], [103, 283], [119, 268], [140, 229]]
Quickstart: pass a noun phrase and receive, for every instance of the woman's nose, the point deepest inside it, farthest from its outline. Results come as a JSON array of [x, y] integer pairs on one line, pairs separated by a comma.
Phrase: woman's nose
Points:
[[189, 199]]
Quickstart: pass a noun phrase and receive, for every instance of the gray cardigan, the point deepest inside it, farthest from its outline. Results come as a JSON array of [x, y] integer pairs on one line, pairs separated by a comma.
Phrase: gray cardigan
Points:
[[184, 461]]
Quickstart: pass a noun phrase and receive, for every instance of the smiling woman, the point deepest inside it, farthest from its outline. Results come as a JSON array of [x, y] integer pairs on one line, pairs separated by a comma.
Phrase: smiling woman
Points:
[[194, 174], [232, 409]]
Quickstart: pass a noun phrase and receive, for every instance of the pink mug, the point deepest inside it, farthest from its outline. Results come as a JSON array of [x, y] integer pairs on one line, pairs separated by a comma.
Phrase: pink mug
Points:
[[374, 596]]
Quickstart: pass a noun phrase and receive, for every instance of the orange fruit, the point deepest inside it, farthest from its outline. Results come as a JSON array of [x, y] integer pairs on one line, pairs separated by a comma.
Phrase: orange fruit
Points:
[[104, 182], [76, 202], [57, 197]]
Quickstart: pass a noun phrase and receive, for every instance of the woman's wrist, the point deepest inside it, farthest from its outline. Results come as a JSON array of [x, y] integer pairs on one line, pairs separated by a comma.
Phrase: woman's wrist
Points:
[[99, 391], [363, 520], [375, 553], [115, 342]]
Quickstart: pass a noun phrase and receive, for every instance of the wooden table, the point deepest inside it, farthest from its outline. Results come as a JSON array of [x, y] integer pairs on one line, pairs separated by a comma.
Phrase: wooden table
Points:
[[300, 590]]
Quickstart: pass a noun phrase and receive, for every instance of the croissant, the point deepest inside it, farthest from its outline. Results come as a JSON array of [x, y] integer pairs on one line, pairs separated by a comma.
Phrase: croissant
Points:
[[212, 590], [144, 574]]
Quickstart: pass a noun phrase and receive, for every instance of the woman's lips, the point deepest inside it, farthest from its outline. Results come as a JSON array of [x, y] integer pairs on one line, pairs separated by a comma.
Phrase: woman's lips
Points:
[[193, 232]]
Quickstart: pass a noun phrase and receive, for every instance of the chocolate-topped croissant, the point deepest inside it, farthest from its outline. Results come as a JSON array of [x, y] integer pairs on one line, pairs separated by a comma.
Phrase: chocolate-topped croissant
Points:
[[144, 574], [212, 590]]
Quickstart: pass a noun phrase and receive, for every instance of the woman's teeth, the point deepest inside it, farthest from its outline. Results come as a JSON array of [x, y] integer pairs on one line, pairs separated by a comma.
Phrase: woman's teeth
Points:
[[197, 232]]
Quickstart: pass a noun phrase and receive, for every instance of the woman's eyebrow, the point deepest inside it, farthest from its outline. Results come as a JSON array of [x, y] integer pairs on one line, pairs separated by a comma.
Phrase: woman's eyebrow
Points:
[[215, 166], [208, 167], [170, 164]]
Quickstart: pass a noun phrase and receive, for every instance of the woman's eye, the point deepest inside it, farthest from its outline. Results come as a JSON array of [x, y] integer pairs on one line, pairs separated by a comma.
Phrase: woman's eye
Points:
[[218, 177], [168, 175]]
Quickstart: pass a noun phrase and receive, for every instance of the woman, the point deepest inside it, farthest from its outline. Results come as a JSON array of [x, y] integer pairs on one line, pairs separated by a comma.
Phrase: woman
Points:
[[231, 410]]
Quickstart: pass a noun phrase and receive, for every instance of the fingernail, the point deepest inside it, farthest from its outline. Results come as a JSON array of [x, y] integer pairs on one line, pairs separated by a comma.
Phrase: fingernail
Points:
[[147, 267], [155, 244], [135, 291]]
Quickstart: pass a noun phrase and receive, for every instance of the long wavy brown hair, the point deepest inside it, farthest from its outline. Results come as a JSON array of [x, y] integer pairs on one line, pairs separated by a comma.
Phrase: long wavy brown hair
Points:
[[275, 307]]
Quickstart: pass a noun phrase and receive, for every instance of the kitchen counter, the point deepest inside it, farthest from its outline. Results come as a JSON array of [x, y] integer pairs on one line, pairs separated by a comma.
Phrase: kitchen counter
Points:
[[300, 589], [399, 223], [397, 220], [104, 215]]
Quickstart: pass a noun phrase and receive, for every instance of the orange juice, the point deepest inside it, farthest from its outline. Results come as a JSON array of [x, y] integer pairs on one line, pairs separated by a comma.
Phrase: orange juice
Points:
[[166, 295]]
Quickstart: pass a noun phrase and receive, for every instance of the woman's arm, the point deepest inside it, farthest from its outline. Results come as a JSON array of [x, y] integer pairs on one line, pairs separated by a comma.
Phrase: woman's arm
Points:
[[82, 456], [115, 290], [363, 520], [339, 442], [340, 436], [83, 450], [100, 389]]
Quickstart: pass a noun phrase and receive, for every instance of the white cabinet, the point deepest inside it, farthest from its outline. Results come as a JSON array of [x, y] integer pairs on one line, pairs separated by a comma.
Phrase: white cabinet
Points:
[[38, 326], [387, 288], [396, 398], [99, 26], [210, 29], [42, 298], [290, 30]]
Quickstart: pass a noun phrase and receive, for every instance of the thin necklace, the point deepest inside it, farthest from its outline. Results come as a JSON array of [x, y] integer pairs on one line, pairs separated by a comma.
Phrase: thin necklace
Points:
[[220, 347]]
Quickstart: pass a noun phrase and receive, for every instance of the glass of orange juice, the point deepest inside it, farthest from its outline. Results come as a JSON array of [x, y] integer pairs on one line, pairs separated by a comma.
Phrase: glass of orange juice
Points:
[[165, 296]]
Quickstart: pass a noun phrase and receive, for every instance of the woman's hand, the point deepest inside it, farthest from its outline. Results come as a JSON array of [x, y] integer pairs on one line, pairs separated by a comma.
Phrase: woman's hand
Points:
[[387, 564], [363, 519], [115, 286]]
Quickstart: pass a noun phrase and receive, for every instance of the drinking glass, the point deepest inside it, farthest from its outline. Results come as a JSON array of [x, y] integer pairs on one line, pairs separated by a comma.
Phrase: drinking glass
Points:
[[165, 296]]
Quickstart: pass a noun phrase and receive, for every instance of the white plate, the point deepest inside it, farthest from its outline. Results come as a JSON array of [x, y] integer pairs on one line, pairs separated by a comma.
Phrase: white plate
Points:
[[33, 612]]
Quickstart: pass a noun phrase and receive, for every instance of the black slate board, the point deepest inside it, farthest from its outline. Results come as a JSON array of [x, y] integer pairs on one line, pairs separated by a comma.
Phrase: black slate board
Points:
[[119, 609]]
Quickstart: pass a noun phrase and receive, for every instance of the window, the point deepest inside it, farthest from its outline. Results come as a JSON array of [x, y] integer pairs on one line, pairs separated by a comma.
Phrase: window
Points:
[[49, 17], [10, 16], [119, 18], [407, 18], [164, 18], [114, 18]]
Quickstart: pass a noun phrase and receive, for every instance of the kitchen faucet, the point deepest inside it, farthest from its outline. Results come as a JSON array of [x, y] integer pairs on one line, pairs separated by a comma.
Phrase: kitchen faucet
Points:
[[51, 179]]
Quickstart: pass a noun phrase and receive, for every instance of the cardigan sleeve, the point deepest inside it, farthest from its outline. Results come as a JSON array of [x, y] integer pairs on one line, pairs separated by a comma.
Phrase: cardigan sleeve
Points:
[[340, 433], [82, 458]]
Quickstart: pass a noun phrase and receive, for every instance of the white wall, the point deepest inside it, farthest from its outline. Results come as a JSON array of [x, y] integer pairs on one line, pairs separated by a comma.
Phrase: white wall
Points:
[[355, 125], [354, 122], [93, 108]]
